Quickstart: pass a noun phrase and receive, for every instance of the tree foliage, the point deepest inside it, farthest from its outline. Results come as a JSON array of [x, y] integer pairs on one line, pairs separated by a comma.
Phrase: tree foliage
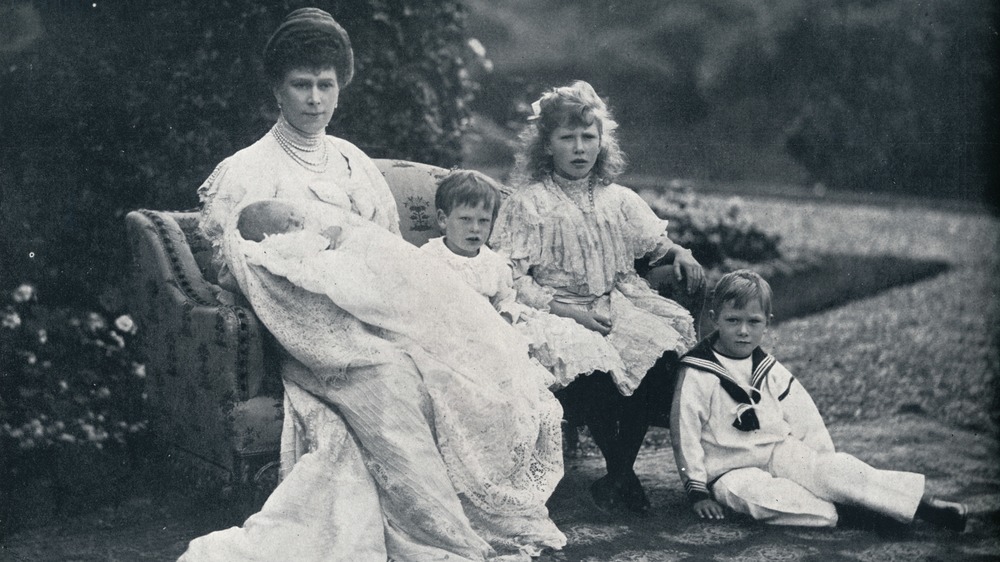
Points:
[[869, 95], [900, 96], [114, 106]]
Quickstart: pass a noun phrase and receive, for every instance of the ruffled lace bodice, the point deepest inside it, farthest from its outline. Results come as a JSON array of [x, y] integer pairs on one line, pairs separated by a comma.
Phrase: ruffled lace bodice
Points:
[[579, 238]]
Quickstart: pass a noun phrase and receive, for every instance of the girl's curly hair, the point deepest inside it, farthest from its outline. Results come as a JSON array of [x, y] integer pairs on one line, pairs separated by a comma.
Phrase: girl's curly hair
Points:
[[574, 105]]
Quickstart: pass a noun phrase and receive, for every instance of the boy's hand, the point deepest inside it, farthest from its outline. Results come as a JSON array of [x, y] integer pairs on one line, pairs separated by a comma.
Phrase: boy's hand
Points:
[[709, 509]]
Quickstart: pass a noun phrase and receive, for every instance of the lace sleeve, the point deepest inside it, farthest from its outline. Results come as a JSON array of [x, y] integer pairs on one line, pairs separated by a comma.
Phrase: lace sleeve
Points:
[[647, 232], [517, 236], [219, 196], [516, 233]]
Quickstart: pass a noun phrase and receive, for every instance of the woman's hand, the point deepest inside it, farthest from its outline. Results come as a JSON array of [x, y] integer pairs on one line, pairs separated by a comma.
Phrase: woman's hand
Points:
[[590, 319], [709, 509]]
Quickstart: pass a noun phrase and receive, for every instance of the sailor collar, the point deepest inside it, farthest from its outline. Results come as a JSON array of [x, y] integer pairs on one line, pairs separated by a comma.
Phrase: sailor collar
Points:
[[702, 357]]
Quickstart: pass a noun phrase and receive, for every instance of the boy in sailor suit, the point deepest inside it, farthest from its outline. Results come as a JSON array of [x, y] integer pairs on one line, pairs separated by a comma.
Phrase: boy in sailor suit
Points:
[[747, 436]]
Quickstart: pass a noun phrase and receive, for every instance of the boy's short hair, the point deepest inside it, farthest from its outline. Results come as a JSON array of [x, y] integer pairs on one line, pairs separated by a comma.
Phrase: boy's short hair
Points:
[[467, 187], [741, 287]]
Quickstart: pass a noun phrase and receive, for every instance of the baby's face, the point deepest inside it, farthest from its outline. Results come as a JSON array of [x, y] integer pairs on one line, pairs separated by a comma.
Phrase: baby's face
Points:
[[294, 221], [466, 228]]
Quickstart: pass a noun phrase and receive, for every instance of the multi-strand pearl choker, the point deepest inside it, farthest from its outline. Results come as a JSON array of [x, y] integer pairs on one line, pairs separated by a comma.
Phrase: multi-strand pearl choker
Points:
[[309, 151], [574, 187]]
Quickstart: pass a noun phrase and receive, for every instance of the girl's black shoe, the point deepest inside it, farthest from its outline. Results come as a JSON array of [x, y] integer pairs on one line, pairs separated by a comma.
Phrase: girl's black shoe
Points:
[[605, 492], [633, 496]]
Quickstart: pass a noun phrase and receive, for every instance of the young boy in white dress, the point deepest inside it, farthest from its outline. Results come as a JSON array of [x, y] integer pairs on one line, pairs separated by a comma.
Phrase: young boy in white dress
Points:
[[467, 203], [748, 437]]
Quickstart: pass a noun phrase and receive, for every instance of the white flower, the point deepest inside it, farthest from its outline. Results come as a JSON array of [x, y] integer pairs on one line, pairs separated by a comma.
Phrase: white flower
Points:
[[139, 370], [118, 339], [125, 324], [43, 336], [11, 320], [95, 322], [102, 392], [63, 385], [477, 47], [23, 293]]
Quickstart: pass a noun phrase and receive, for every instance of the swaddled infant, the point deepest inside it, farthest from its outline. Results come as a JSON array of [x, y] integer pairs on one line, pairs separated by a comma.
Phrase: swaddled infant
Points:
[[271, 217]]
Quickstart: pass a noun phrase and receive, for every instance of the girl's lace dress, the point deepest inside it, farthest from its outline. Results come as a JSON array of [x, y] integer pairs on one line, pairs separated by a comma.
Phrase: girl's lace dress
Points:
[[577, 243]]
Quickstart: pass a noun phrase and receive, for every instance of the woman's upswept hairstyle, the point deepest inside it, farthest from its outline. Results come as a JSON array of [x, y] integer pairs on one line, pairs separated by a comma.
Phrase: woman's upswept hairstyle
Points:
[[742, 287], [575, 105], [309, 38], [470, 188]]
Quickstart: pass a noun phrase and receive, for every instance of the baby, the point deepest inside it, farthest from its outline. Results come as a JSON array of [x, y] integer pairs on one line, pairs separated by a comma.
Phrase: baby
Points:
[[270, 217], [748, 437]]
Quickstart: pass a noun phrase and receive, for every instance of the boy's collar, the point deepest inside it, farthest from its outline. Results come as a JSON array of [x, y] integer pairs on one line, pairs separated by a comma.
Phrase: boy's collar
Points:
[[703, 357]]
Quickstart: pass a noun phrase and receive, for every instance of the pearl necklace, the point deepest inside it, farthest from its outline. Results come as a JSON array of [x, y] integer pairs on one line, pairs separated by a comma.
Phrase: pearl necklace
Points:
[[572, 188], [284, 133]]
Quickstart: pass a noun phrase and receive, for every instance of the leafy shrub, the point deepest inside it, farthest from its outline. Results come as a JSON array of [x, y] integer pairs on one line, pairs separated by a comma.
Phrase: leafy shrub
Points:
[[722, 238], [113, 106], [66, 378]]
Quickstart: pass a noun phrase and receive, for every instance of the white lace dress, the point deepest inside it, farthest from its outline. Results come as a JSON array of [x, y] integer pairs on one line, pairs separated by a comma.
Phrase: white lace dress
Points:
[[562, 346], [410, 431], [577, 244]]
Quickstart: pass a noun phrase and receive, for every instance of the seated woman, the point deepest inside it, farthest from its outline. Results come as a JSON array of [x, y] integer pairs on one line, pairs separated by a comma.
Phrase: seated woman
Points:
[[414, 427]]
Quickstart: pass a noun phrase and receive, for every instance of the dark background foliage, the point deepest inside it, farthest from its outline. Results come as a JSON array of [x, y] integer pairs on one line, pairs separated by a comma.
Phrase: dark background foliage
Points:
[[113, 106], [888, 96]]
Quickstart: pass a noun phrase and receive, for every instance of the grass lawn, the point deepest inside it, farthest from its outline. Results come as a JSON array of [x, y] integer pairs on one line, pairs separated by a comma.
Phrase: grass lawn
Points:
[[906, 378], [928, 347]]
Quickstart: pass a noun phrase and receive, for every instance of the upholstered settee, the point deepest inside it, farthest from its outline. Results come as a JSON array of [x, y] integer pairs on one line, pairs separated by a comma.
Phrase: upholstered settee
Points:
[[214, 383], [214, 373]]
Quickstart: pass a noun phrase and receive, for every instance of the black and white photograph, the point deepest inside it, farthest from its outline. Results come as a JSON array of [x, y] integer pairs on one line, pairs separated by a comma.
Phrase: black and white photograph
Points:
[[499, 280]]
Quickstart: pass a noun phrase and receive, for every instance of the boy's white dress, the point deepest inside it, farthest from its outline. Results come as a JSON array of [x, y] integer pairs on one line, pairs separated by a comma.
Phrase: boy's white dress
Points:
[[781, 467], [415, 428], [562, 346]]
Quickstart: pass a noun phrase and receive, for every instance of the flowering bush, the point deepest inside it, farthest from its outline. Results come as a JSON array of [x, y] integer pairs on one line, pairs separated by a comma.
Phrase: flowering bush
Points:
[[721, 238], [66, 377]]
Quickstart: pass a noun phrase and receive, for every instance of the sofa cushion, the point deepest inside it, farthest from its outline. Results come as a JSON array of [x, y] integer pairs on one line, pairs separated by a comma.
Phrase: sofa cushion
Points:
[[413, 186]]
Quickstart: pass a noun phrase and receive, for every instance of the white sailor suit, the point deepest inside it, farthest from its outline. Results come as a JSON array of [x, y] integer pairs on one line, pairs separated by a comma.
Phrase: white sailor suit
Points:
[[746, 432]]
